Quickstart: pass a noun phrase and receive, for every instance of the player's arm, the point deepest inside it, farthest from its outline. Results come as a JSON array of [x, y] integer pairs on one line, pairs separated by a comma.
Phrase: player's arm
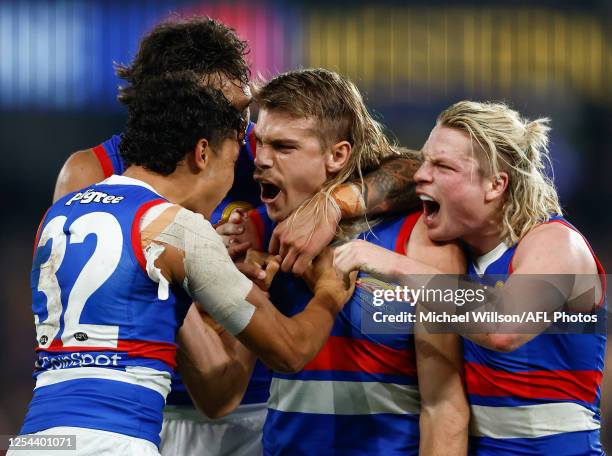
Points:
[[365, 256], [214, 366], [444, 416], [193, 255], [445, 412], [301, 237], [540, 271], [80, 170], [552, 267]]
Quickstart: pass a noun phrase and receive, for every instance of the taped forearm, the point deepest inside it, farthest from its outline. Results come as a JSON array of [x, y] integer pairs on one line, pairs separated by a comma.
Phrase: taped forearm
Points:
[[211, 278]]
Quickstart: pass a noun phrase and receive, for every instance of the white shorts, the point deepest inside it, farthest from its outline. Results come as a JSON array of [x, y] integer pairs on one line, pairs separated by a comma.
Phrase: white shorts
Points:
[[186, 431], [93, 442]]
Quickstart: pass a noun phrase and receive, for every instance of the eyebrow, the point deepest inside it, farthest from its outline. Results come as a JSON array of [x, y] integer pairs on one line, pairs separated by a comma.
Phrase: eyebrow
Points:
[[276, 142]]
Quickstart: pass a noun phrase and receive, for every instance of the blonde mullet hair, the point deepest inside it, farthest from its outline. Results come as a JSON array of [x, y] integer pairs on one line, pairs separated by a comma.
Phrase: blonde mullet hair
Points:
[[341, 115], [519, 147]]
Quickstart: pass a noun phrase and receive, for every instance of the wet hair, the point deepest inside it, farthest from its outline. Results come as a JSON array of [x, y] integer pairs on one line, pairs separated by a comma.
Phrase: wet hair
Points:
[[167, 117], [198, 44]]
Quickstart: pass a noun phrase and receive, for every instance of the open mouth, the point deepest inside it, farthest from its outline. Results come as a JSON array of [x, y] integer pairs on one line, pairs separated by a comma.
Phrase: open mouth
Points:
[[430, 207], [269, 192]]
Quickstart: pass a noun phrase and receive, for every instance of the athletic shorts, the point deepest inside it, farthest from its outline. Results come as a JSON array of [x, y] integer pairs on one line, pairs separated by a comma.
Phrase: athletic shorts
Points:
[[93, 442], [186, 431]]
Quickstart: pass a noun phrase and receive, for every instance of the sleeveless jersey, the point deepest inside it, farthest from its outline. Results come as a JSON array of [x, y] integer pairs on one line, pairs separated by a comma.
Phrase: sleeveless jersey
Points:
[[359, 395], [105, 334], [542, 398], [245, 194]]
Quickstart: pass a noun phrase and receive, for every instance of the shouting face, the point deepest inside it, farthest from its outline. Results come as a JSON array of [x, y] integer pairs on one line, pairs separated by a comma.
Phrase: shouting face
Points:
[[458, 200], [291, 165]]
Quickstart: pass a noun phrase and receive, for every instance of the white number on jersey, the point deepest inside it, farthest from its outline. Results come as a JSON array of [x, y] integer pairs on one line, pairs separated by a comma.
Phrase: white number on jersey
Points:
[[94, 274]]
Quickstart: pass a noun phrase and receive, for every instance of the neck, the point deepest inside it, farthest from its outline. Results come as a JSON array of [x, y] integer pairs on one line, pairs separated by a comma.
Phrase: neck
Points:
[[176, 187], [484, 239]]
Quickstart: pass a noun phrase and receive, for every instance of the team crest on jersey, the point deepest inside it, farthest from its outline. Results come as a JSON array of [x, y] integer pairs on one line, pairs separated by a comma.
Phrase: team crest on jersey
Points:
[[234, 205]]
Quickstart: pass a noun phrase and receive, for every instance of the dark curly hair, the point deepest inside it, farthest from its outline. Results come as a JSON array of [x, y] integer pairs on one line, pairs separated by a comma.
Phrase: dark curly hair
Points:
[[199, 44], [168, 115]]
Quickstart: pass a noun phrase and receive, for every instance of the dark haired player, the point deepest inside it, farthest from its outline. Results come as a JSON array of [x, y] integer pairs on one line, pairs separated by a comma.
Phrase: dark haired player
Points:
[[215, 52], [117, 264]]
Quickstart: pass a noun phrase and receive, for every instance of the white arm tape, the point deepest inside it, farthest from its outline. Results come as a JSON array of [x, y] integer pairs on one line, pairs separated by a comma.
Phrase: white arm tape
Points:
[[211, 278], [152, 253]]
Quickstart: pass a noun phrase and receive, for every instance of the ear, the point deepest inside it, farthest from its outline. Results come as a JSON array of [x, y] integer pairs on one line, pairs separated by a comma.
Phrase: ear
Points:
[[202, 154], [338, 157], [497, 185]]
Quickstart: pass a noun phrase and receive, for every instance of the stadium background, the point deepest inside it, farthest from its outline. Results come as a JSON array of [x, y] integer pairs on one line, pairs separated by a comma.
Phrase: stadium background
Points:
[[411, 59]]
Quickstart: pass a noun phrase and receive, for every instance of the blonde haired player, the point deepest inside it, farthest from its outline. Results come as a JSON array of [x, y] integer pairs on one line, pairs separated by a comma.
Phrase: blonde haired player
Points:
[[360, 395], [483, 180]]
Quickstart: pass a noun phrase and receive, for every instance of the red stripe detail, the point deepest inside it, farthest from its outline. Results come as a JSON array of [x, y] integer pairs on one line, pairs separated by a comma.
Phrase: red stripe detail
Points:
[[105, 162], [162, 351], [136, 240], [255, 216], [38, 230], [542, 384], [406, 231], [600, 270], [253, 143], [358, 355]]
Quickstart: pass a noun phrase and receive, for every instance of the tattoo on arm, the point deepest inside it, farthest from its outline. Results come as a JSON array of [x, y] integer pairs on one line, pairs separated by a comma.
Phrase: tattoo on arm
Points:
[[391, 187]]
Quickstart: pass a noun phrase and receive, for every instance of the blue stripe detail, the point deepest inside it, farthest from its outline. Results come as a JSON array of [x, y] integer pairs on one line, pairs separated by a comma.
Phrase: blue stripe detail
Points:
[[513, 401], [257, 391], [123, 408], [350, 435], [585, 443], [347, 376], [111, 146], [544, 352]]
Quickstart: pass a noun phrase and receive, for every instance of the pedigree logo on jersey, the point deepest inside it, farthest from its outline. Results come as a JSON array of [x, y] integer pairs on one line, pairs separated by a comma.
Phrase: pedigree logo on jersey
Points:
[[90, 196]]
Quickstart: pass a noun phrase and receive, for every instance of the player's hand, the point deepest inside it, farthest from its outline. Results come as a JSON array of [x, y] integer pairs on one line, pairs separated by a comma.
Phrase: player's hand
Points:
[[322, 277], [303, 235], [238, 233], [264, 265], [360, 255]]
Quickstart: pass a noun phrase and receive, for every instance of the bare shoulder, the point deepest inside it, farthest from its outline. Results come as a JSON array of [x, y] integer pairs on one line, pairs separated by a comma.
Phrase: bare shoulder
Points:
[[447, 257], [80, 170], [553, 248]]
